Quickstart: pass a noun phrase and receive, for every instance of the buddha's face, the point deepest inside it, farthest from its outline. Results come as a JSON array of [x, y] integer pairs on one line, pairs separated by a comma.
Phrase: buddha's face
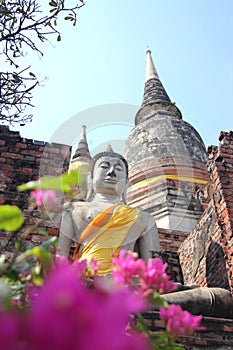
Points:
[[109, 176]]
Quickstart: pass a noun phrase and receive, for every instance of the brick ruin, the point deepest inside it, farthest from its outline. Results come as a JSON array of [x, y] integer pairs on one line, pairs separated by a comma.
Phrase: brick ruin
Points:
[[23, 160], [203, 256], [206, 255]]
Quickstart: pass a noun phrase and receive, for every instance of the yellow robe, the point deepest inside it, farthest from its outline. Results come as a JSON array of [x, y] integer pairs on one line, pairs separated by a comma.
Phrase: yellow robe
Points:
[[104, 236]]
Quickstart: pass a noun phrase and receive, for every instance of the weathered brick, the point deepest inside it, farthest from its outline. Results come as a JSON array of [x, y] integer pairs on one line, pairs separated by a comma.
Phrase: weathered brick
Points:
[[21, 145], [26, 170], [32, 153], [11, 155], [53, 231]]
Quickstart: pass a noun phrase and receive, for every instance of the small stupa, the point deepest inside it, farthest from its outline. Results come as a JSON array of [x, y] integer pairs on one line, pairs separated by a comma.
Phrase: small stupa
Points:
[[81, 161]]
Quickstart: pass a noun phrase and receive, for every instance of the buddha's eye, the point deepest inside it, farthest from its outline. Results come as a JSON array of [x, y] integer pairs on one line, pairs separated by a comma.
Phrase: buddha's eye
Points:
[[118, 168], [104, 166]]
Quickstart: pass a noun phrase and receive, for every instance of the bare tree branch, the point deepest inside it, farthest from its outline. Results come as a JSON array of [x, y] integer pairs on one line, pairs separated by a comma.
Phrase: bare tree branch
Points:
[[23, 26]]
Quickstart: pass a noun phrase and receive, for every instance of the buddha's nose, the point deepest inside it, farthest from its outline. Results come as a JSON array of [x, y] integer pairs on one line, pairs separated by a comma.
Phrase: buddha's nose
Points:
[[111, 172]]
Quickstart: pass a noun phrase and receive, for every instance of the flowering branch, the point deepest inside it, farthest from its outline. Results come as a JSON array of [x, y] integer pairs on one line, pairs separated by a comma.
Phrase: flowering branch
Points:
[[48, 304]]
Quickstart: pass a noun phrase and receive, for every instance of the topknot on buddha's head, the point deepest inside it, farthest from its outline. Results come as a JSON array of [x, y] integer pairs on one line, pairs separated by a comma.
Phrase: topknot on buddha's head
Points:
[[108, 153]]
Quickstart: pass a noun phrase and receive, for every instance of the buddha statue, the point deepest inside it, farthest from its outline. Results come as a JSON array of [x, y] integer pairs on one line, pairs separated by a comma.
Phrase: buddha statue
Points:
[[103, 224], [211, 302]]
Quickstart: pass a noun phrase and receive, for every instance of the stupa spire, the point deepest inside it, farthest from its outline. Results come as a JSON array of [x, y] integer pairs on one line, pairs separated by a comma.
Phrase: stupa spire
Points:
[[82, 151], [154, 91], [151, 72], [155, 96]]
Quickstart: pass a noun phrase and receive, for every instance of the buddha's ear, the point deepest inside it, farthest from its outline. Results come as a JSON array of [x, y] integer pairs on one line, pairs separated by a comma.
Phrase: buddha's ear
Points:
[[90, 192], [123, 196]]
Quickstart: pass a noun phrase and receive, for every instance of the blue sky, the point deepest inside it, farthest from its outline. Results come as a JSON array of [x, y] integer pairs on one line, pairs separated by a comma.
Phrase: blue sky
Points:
[[102, 61]]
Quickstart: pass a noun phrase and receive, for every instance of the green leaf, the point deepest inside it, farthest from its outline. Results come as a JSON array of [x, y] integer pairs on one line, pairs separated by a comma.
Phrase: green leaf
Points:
[[16, 98], [11, 218], [44, 183], [11, 275], [42, 232], [59, 37], [37, 280], [53, 3], [75, 177], [32, 74], [36, 275], [40, 253], [60, 183], [157, 301]]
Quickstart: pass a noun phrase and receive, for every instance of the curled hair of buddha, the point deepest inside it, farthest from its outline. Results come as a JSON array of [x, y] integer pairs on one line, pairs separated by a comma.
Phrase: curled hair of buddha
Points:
[[108, 154]]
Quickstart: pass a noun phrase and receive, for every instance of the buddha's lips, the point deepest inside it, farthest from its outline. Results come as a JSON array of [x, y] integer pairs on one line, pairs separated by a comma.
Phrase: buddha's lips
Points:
[[110, 180]]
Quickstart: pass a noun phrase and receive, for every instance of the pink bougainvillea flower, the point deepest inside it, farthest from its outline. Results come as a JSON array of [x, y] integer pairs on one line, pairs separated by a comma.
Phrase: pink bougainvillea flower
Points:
[[92, 268], [12, 330], [178, 321], [66, 315], [17, 303], [157, 278], [127, 269], [79, 266], [143, 277], [43, 197]]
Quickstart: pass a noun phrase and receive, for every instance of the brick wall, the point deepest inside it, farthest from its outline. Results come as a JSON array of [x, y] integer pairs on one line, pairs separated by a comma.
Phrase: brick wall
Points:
[[23, 160], [170, 240], [217, 336], [173, 265], [206, 256]]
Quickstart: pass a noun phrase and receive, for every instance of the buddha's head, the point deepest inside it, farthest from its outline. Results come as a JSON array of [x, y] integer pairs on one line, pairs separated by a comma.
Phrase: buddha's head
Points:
[[108, 174]]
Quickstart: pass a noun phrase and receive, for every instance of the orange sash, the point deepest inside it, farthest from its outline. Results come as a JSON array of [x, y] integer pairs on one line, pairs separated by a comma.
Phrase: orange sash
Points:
[[104, 236]]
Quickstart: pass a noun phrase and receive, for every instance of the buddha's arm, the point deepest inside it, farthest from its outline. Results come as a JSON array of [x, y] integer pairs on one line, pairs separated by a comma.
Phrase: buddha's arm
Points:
[[63, 248], [149, 240], [66, 234]]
